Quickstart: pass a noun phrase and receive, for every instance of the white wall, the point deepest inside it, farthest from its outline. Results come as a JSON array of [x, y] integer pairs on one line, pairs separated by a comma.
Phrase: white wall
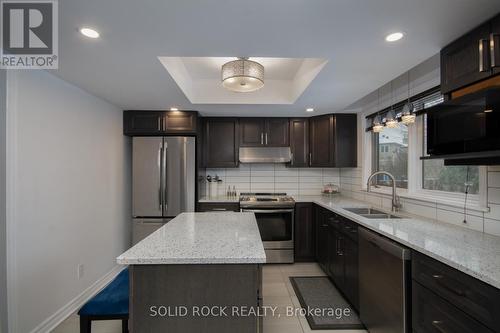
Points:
[[71, 193], [3, 245], [423, 77]]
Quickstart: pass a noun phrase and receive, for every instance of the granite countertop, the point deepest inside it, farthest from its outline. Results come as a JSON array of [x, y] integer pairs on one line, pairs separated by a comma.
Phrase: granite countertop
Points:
[[474, 253], [201, 238]]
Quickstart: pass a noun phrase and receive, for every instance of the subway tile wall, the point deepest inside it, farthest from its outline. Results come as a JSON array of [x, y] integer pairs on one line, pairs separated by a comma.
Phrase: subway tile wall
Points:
[[488, 222], [310, 181], [276, 178]]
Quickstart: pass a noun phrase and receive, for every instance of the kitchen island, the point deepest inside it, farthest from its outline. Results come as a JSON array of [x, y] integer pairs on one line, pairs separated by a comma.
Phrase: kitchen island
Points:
[[201, 272]]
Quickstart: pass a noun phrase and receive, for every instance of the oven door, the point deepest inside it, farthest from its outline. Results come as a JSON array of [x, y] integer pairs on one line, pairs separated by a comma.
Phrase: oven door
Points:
[[275, 227]]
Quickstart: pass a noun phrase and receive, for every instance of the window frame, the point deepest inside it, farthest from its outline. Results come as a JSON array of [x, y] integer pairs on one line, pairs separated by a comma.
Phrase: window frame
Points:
[[415, 188], [376, 149]]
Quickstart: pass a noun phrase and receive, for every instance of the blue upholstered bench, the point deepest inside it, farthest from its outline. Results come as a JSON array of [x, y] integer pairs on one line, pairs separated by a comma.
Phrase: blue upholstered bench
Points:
[[111, 303]]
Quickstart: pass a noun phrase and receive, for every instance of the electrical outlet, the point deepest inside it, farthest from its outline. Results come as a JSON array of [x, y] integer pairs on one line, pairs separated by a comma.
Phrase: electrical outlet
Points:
[[80, 271]]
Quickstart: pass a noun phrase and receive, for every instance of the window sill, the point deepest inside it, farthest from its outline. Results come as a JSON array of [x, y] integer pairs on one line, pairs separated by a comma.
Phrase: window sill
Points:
[[456, 202]]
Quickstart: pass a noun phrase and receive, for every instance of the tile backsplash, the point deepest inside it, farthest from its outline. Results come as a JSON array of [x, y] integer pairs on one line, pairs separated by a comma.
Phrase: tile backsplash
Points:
[[488, 222], [276, 178], [310, 181]]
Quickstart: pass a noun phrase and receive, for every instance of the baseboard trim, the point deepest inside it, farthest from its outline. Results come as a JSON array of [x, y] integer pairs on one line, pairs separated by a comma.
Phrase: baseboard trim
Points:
[[53, 321]]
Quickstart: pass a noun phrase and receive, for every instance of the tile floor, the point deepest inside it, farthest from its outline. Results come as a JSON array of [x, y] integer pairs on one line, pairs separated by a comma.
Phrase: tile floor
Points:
[[277, 291]]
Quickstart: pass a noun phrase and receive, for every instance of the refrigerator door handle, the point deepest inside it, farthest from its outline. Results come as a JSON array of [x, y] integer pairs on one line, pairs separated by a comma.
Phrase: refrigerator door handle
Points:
[[160, 190], [165, 175]]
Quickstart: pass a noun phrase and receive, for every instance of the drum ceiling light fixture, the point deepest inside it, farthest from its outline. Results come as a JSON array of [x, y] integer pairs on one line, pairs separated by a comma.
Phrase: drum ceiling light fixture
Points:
[[242, 75]]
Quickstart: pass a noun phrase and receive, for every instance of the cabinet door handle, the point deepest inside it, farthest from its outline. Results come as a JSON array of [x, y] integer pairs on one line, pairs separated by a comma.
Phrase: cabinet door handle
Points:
[[440, 280], [219, 209], [291, 158], [159, 124], [495, 50], [340, 253], [438, 325], [266, 139], [310, 159], [484, 55], [261, 138]]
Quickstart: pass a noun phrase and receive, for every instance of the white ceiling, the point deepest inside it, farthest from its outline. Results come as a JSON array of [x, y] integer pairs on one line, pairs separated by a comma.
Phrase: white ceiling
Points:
[[199, 78], [122, 66]]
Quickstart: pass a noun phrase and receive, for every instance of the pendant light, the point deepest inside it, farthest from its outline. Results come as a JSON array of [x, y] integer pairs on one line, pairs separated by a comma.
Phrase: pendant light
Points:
[[408, 116], [391, 121], [377, 125]]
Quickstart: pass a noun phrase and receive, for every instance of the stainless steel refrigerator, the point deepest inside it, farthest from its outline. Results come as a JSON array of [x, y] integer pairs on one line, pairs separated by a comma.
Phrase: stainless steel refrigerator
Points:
[[163, 183]]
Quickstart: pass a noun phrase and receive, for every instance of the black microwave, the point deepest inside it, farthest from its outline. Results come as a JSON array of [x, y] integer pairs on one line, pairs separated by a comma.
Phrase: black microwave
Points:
[[466, 126]]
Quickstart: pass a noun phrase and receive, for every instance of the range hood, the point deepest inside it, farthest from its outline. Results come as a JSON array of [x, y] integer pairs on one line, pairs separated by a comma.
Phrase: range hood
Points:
[[265, 154]]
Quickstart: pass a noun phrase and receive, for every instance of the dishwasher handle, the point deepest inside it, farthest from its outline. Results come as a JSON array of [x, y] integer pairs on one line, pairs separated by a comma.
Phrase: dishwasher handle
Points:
[[385, 245]]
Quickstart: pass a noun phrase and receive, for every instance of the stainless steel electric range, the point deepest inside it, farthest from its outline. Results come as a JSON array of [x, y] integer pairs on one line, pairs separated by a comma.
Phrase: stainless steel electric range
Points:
[[275, 217]]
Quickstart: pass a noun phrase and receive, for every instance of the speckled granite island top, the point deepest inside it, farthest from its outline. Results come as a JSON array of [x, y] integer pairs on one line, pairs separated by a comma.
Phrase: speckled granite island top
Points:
[[201, 238]]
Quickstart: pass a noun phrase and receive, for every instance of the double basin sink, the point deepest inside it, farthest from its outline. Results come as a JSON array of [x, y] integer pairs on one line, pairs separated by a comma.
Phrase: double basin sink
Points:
[[371, 213]]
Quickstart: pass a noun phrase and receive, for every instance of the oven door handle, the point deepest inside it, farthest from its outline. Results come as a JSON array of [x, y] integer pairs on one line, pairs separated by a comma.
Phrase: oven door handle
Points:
[[267, 210]]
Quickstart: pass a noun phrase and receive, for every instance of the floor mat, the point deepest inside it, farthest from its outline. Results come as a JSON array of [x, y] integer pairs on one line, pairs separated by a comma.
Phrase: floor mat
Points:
[[325, 307]]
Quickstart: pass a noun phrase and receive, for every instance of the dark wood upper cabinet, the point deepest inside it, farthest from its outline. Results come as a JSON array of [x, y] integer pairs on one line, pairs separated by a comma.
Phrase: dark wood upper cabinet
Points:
[[142, 123], [260, 132], [221, 142], [305, 233], [471, 58], [159, 122], [252, 132], [346, 140], [277, 132], [460, 61], [321, 146], [180, 121], [495, 39], [299, 142], [333, 140]]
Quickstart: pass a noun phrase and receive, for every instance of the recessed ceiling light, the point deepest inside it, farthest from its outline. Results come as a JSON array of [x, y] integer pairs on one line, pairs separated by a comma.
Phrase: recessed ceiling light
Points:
[[309, 110], [89, 32], [394, 37], [174, 109], [488, 110]]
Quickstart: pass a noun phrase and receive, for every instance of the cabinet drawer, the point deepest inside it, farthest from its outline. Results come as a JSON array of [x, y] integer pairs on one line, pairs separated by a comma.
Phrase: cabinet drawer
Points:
[[344, 226], [218, 207], [476, 298], [432, 314]]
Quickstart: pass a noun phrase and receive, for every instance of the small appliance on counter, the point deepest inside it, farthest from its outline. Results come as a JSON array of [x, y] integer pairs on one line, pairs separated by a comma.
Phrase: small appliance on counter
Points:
[[330, 190], [275, 218]]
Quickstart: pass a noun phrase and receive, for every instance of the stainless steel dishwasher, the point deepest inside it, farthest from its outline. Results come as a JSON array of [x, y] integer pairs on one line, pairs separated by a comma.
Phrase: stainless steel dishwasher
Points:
[[384, 284]]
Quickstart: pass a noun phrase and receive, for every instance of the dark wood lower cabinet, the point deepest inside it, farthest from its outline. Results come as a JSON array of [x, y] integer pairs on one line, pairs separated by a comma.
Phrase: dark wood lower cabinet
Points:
[[156, 289], [444, 300], [351, 271], [321, 236], [218, 207], [432, 314], [305, 233], [337, 252], [469, 296]]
